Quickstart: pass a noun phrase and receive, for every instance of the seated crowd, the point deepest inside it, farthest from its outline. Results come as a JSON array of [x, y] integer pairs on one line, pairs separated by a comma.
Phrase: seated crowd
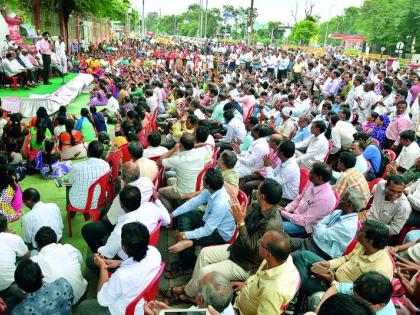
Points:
[[288, 188]]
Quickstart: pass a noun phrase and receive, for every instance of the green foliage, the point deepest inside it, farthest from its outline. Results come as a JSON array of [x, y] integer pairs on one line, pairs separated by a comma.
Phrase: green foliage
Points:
[[303, 31], [384, 22], [111, 9]]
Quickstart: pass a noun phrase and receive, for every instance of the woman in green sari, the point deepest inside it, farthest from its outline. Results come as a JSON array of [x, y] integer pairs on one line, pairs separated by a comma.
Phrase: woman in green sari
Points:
[[86, 126]]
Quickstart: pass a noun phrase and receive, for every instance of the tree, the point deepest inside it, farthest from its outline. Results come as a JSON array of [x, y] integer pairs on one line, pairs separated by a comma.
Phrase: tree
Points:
[[152, 21], [303, 31]]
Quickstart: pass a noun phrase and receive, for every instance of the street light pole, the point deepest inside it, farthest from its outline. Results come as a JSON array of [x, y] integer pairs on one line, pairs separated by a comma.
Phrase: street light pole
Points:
[[205, 21], [326, 28], [251, 16], [143, 25]]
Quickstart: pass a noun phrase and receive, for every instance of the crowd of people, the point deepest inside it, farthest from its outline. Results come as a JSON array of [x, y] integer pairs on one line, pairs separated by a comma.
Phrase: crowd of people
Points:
[[290, 181]]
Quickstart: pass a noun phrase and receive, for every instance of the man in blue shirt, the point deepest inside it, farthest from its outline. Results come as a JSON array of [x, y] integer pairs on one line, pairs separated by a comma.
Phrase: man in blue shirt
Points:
[[334, 232], [215, 226], [304, 131], [42, 298]]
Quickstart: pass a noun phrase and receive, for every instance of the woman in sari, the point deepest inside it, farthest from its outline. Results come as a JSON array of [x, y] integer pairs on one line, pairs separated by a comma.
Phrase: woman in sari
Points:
[[48, 162], [10, 194], [378, 133], [86, 126], [71, 142], [15, 129]]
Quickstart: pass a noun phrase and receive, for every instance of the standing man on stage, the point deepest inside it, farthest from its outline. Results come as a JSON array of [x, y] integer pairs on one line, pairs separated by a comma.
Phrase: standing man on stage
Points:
[[60, 49], [45, 50]]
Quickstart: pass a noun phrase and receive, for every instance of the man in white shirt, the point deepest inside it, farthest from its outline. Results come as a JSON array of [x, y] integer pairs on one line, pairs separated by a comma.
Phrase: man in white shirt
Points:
[[287, 173], [385, 103], [410, 151], [235, 130], [11, 247], [130, 279], [317, 146], [95, 232], [355, 91], [252, 159], [112, 107], [357, 148], [60, 48], [302, 105], [154, 149], [341, 134], [41, 214], [187, 163], [148, 214], [147, 167], [12, 67], [365, 102], [59, 261]]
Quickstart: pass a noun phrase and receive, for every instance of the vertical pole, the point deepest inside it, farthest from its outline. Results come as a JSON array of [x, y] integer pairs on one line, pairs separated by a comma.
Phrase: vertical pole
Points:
[[143, 25], [251, 15], [205, 22]]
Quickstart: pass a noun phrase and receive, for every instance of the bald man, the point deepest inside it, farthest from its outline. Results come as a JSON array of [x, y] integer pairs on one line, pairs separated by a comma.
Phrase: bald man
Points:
[[94, 232], [276, 281]]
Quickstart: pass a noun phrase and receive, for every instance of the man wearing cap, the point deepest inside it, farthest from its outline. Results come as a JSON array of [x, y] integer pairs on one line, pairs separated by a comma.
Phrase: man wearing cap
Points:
[[287, 126]]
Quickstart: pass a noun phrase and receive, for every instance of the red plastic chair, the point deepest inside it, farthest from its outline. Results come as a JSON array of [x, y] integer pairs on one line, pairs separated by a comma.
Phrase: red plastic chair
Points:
[[304, 179], [125, 154], [404, 232], [158, 178], [153, 123], [375, 142], [154, 235], [337, 198], [13, 81], [143, 138], [93, 212], [214, 156], [330, 146], [249, 113], [154, 158], [373, 182], [200, 177], [391, 154], [148, 294], [114, 161]]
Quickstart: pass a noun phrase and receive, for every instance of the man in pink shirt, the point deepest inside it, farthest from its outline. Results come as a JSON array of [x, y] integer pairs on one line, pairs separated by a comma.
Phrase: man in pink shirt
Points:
[[45, 50], [400, 123], [315, 202]]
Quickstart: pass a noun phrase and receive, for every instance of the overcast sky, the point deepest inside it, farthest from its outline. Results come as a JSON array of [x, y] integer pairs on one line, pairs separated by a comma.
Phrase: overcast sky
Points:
[[268, 10]]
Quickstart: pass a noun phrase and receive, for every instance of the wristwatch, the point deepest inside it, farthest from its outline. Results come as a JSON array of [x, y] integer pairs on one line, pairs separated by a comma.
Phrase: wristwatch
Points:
[[240, 224]]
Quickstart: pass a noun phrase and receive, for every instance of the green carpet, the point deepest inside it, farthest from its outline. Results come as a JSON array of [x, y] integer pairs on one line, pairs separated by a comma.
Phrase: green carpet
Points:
[[41, 89]]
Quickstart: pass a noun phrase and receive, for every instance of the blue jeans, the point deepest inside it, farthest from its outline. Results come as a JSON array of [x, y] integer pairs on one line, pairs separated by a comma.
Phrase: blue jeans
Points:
[[293, 229], [303, 263]]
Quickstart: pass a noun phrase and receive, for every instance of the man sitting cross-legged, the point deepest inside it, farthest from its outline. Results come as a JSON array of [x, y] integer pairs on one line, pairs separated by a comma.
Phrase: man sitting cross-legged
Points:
[[239, 260]]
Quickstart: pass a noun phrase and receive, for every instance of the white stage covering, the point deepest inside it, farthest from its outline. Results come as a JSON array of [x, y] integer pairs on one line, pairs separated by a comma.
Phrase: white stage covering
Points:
[[63, 96]]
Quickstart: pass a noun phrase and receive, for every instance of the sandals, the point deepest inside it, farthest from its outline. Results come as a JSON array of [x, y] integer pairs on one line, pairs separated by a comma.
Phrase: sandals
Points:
[[171, 299], [176, 269]]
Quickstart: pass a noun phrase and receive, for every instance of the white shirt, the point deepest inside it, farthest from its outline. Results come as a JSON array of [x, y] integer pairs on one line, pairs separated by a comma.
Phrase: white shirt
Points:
[[26, 61], [252, 159], [199, 114], [149, 214], [316, 152], [12, 67], [11, 246], [287, 174], [152, 102], [154, 151], [146, 187], [408, 155], [157, 93], [187, 166], [130, 279], [235, 129], [62, 261], [42, 214], [342, 136], [112, 105], [361, 164], [368, 99]]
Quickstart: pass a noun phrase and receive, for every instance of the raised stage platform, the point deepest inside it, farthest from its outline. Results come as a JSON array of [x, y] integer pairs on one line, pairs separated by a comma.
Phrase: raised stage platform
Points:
[[51, 97]]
